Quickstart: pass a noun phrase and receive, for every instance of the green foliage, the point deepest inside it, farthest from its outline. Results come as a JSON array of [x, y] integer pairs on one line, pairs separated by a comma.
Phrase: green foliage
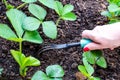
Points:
[[8, 6], [87, 70], [114, 1], [53, 72], [1, 70], [32, 36], [29, 1], [95, 57], [113, 11], [88, 67], [64, 12], [37, 11], [17, 17], [48, 3], [92, 58], [24, 62], [6, 32], [50, 29], [31, 23]]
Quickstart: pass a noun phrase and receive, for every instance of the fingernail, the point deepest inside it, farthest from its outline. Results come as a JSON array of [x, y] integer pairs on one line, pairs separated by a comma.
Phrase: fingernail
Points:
[[86, 49]]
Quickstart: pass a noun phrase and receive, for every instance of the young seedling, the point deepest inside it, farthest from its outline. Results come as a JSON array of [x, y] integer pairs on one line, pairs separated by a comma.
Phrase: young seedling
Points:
[[24, 62], [8, 6], [92, 58], [95, 57], [113, 11], [16, 18], [87, 70], [53, 72], [64, 12], [32, 23]]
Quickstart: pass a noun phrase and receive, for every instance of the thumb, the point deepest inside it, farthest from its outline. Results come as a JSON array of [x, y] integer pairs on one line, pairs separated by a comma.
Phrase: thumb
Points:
[[92, 46]]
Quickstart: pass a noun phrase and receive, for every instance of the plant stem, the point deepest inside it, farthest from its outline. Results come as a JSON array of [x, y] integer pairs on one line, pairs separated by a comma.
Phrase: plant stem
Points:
[[58, 20], [5, 2], [20, 46], [20, 6]]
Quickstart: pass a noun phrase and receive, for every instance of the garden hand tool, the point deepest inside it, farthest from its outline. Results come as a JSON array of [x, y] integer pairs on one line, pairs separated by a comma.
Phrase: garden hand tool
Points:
[[82, 43]]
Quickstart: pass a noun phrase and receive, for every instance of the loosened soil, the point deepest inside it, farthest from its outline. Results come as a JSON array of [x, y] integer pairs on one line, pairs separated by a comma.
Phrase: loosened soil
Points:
[[88, 16]]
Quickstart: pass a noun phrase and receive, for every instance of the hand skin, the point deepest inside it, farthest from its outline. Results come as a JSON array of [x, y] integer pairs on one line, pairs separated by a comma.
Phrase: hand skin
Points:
[[106, 36]]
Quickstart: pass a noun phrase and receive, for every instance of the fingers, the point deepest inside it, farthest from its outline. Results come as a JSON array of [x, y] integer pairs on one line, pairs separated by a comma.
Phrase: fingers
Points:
[[90, 34], [92, 46]]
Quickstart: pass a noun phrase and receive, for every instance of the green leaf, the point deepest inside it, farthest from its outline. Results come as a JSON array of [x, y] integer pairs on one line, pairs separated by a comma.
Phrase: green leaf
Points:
[[39, 75], [55, 79], [67, 8], [106, 14], [90, 57], [58, 8], [102, 62], [6, 32], [16, 17], [31, 61], [37, 11], [82, 69], [91, 78], [48, 3], [50, 29], [55, 71], [113, 21], [97, 78], [29, 1], [97, 53], [16, 39], [113, 8], [88, 67], [1, 70], [31, 24], [23, 71], [69, 16], [19, 57], [32, 36]]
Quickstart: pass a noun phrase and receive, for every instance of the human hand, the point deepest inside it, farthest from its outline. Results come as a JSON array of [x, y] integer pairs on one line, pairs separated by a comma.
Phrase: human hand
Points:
[[106, 36]]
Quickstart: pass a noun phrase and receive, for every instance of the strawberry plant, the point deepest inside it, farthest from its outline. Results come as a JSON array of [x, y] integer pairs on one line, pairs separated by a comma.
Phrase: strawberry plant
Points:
[[92, 58], [64, 12], [113, 11], [95, 57], [32, 23], [17, 17], [24, 28], [87, 70], [53, 72], [24, 61], [19, 35]]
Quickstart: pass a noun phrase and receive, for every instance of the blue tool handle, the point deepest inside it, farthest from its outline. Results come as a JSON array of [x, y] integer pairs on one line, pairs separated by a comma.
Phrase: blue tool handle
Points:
[[84, 42]]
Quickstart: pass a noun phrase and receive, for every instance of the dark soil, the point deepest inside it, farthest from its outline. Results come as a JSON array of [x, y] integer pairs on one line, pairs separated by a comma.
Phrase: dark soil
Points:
[[88, 13]]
